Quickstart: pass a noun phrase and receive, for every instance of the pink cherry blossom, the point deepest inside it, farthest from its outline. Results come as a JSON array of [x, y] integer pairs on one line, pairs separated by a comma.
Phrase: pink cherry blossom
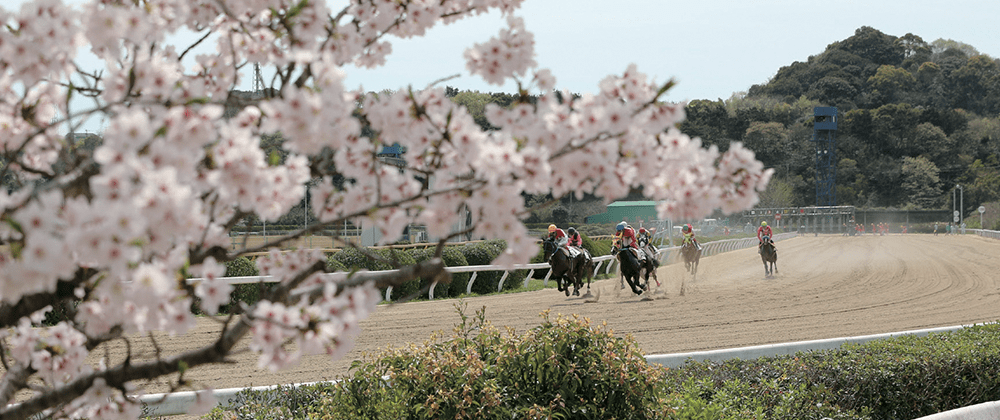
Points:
[[124, 223]]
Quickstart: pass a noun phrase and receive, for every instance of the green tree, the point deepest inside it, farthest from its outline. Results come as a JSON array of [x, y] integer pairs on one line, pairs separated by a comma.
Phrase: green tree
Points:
[[981, 183], [779, 193], [850, 182], [873, 46], [706, 120], [930, 140], [977, 85], [835, 91], [915, 49], [921, 182], [475, 103], [890, 82], [940, 45], [984, 133], [892, 124], [769, 140]]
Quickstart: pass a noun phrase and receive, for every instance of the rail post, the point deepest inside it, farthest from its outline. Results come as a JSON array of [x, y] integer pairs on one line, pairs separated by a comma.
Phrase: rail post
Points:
[[502, 278], [472, 279]]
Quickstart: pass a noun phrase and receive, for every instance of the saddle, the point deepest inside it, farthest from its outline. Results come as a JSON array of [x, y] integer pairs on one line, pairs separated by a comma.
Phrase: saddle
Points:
[[640, 255], [573, 251], [650, 252], [689, 241], [570, 251]]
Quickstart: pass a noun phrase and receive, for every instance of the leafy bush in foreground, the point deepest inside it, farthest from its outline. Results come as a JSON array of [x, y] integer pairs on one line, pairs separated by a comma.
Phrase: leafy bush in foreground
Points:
[[564, 368]]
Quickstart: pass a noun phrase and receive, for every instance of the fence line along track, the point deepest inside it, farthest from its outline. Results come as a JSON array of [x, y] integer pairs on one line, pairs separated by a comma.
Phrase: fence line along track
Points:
[[667, 255], [992, 234]]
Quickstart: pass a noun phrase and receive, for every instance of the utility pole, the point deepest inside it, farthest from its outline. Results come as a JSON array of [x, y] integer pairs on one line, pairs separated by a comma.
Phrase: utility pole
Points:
[[961, 208]]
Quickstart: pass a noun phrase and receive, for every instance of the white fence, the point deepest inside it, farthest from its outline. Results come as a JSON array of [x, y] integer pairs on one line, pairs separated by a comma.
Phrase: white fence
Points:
[[992, 234], [668, 255]]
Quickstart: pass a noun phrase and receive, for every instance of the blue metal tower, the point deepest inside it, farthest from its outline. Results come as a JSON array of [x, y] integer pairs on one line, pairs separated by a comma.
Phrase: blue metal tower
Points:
[[825, 137]]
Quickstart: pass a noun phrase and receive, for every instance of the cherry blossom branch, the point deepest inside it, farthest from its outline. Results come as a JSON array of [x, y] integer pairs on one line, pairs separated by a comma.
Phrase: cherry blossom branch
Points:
[[27, 305]]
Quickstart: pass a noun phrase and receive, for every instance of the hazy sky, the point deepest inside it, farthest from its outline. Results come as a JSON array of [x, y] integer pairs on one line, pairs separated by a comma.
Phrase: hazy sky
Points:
[[713, 48]]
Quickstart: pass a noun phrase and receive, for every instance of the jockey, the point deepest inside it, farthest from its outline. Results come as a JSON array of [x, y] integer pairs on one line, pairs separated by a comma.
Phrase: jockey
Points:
[[643, 237], [626, 237], [762, 231], [559, 237], [689, 235], [574, 238]]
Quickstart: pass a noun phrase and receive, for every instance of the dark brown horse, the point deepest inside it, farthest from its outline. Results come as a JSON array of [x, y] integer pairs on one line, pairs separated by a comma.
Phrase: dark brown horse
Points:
[[692, 255], [652, 260], [585, 269], [769, 255], [564, 269], [631, 269]]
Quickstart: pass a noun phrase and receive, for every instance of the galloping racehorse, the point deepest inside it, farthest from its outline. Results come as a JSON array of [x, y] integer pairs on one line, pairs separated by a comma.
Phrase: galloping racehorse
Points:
[[692, 255], [768, 254], [630, 268], [584, 268], [563, 267], [652, 260]]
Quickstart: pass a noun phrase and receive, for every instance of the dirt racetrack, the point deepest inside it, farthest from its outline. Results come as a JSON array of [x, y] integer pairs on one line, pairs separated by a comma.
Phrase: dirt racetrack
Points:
[[827, 286]]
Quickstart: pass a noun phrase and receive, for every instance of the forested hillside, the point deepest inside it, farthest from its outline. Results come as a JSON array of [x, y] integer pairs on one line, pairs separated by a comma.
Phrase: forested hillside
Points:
[[915, 119]]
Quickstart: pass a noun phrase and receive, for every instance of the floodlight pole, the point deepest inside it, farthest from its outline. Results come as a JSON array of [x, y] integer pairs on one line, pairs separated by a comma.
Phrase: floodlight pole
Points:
[[960, 202]]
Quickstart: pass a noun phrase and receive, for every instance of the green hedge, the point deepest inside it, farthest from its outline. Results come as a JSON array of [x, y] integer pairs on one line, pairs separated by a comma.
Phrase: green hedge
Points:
[[452, 258], [483, 253], [901, 378], [248, 293], [352, 259]]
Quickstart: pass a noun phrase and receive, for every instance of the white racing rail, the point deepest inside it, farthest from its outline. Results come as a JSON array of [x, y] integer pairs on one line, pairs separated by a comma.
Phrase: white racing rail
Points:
[[668, 255], [992, 234]]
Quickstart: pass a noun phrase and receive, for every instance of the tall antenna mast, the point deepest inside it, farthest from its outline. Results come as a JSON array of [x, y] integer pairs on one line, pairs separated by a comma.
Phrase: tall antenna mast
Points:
[[258, 81]]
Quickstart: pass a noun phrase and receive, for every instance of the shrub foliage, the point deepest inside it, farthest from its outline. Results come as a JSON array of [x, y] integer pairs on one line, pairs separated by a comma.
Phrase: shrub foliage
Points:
[[568, 368], [564, 368]]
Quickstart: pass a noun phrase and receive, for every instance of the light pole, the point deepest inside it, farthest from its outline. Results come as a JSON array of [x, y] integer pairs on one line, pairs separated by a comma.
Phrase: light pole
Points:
[[961, 208]]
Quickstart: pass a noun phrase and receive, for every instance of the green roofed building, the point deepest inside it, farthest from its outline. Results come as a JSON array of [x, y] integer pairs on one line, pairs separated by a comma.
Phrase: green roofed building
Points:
[[630, 211]]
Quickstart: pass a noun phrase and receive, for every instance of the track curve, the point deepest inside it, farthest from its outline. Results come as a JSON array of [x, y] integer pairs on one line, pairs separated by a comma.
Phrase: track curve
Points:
[[826, 287]]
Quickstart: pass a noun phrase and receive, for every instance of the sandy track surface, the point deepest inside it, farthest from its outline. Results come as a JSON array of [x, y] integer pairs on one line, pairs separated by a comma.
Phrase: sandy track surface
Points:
[[827, 287]]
